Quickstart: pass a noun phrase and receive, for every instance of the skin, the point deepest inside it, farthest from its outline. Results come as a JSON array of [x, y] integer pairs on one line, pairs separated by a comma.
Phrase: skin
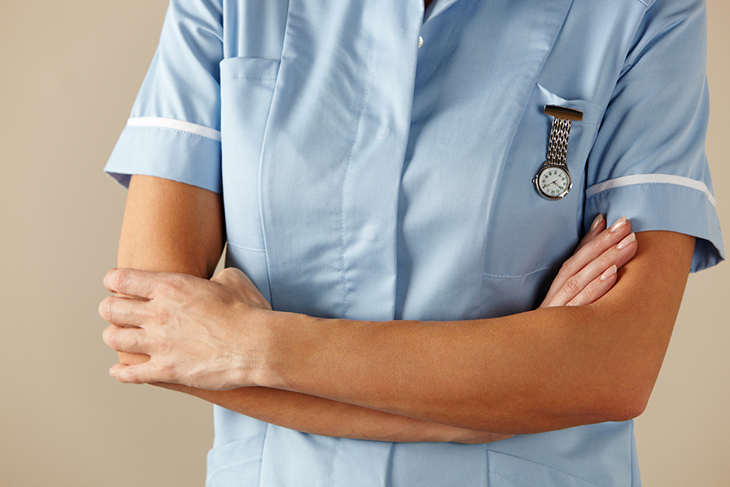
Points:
[[175, 227], [555, 367]]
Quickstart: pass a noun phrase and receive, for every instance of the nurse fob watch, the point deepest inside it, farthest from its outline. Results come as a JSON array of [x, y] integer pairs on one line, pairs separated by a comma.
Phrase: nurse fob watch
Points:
[[553, 179]]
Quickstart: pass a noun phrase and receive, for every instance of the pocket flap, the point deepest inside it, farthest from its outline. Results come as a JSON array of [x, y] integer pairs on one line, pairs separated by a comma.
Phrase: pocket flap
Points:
[[510, 471]]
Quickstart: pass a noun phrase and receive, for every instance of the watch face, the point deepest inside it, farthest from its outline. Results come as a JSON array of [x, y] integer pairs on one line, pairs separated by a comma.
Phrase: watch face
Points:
[[553, 182]]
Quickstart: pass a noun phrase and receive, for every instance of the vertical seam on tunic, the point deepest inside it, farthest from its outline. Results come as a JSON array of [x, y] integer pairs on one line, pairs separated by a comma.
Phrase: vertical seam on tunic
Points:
[[263, 445], [260, 183], [332, 464], [632, 452], [360, 115], [486, 459]]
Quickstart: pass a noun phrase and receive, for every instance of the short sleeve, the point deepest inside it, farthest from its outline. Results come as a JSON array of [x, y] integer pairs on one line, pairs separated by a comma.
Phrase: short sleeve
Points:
[[648, 161], [174, 129]]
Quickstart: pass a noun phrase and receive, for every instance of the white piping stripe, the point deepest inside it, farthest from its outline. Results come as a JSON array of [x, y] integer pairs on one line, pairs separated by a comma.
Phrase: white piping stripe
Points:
[[650, 179], [171, 123]]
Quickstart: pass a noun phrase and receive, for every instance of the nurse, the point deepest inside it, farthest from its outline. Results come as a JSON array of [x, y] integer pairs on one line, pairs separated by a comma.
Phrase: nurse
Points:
[[370, 166]]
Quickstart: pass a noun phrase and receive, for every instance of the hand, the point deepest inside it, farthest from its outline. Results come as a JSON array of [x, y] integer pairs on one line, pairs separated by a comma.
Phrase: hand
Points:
[[196, 332], [592, 270], [586, 276]]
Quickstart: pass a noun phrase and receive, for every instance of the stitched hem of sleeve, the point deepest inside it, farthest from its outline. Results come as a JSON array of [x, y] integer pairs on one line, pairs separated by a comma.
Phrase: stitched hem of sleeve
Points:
[[167, 153], [668, 207]]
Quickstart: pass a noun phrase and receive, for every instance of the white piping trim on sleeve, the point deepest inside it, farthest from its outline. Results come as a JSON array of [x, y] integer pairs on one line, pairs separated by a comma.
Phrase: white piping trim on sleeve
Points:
[[171, 123], [651, 179]]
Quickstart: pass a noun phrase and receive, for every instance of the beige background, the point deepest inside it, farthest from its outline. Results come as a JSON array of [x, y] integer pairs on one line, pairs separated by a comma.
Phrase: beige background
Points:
[[69, 71]]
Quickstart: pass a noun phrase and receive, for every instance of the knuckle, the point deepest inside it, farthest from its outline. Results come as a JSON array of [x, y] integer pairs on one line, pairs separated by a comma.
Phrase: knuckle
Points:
[[121, 279], [105, 309], [133, 375], [572, 285], [605, 259], [108, 336], [132, 342], [113, 340], [159, 344], [566, 270], [590, 293], [170, 286], [160, 316], [596, 243]]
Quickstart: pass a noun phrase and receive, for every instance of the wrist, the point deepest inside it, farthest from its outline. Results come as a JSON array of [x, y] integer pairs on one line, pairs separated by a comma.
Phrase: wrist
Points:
[[253, 334], [278, 343]]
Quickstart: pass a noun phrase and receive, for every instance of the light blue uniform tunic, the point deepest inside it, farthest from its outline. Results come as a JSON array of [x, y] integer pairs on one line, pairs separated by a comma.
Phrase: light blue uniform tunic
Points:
[[364, 177]]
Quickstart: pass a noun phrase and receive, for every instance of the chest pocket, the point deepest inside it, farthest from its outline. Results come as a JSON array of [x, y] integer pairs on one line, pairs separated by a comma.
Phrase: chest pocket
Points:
[[528, 236], [247, 88]]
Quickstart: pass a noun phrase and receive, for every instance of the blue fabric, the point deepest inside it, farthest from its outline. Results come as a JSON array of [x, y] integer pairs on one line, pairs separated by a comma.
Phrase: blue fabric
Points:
[[367, 178]]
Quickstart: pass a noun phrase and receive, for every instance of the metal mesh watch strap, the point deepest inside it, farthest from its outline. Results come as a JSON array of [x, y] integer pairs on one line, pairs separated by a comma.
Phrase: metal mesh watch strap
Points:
[[558, 146], [560, 132]]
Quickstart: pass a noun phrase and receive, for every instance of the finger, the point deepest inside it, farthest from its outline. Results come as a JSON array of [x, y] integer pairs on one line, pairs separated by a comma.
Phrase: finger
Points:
[[231, 276], [124, 311], [133, 374], [617, 255], [598, 225], [132, 282], [596, 288], [605, 239], [132, 340], [126, 358], [592, 250]]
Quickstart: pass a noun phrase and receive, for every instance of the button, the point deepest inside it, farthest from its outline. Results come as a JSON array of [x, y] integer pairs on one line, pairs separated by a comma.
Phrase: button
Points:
[[384, 132], [369, 233], [420, 41]]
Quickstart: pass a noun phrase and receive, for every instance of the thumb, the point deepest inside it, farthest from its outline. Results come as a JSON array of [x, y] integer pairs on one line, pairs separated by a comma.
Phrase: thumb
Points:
[[132, 374], [231, 276]]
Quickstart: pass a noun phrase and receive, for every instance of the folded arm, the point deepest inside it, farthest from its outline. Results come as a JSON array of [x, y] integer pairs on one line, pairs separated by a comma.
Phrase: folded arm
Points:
[[404, 381], [537, 371], [174, 227]]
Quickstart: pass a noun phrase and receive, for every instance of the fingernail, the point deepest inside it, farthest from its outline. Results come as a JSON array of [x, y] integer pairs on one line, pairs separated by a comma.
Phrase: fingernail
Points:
[[609, 272], [618, 225], [597, 222], [111, 372], [626, 241]]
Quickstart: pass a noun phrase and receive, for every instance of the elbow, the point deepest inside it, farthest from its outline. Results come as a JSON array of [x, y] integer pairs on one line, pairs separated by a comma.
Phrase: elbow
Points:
[[627, 409], [628, 399]]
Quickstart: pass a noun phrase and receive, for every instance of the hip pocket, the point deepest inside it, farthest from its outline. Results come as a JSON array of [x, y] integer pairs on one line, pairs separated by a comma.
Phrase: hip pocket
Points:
[[509, 471], [236, 463]]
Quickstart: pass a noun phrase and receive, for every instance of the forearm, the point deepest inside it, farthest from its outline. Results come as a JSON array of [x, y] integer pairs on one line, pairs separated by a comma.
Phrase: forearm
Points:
[[537, 371], [177, 228], [462, 373], [497, 375], [310, 414], [170, 227]]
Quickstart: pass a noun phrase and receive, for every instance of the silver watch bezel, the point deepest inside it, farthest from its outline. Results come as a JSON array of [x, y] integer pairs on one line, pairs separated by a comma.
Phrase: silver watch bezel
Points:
[[546, 165]]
